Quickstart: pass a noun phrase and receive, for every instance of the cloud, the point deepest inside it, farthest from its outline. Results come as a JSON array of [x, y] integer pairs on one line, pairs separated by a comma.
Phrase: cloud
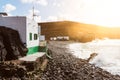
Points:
[[36, 12], [56, 4], [51, 18], [27, 1], [100, 12], [69, 9], [41, 2], [37, 18], [9, 7], [55, 18]]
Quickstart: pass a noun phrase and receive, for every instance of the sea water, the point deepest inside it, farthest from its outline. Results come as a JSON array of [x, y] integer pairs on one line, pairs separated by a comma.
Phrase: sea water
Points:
[[108, 51]]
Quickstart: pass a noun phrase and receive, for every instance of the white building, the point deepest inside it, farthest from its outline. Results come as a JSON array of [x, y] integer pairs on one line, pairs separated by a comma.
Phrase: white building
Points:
[[28, 30]]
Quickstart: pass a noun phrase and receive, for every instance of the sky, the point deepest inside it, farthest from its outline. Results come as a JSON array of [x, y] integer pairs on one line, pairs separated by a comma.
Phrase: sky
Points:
[[99, 12]]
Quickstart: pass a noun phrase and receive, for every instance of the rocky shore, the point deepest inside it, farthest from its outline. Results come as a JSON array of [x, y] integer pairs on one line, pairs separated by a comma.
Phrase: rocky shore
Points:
[[22, 70], [64, 66]]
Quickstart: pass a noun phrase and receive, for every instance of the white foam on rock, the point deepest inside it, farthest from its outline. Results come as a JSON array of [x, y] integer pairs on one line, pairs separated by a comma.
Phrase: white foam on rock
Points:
[[108, 51], [32, 57]]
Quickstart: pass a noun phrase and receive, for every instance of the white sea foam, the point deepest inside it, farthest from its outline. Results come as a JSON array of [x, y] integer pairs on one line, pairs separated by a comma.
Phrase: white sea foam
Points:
[[108, 51]]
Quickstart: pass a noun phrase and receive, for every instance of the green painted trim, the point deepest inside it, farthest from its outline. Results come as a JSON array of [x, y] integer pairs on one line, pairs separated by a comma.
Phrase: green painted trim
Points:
[[32, 50]]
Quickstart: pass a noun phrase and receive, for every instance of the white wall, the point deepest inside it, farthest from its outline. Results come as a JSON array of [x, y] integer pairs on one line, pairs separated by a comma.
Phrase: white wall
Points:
[[24, 26], [32, 27], [17, 23]]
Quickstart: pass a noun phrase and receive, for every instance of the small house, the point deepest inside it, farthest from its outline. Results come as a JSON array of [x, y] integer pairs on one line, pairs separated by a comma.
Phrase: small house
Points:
[[27, 28]]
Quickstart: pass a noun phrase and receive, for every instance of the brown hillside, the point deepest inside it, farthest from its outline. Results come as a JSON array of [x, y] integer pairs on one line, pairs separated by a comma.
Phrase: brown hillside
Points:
[[78, 31]]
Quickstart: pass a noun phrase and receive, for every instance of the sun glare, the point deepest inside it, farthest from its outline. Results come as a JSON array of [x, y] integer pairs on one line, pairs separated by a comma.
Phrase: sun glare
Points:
[[102, 12], [99, 12]]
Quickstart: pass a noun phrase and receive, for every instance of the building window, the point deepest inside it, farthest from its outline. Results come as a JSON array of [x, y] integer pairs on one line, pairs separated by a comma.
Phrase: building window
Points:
[[30, 36], [35, 36]]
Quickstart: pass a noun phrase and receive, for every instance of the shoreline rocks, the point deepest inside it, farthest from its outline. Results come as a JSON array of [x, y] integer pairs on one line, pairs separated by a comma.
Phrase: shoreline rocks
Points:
[[64, 66]]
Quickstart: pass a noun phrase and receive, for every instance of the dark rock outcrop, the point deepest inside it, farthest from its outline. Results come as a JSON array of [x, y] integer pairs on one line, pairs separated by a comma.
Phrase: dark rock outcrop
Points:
[[11, 47]]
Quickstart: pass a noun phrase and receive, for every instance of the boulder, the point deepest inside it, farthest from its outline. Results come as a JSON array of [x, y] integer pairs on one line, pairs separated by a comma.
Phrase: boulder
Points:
[[11, 46]]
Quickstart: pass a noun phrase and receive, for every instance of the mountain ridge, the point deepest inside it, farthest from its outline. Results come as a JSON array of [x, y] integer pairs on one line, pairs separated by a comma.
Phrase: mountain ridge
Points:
[[78, 31]]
